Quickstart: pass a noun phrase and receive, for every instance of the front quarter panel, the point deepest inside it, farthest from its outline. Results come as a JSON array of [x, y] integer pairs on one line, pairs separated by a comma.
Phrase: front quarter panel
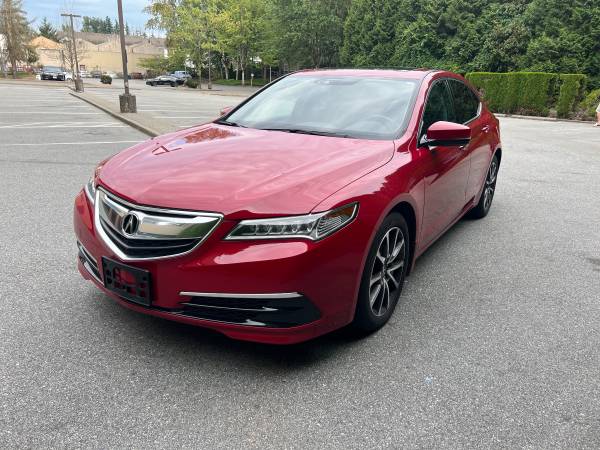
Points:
[[377, 194]]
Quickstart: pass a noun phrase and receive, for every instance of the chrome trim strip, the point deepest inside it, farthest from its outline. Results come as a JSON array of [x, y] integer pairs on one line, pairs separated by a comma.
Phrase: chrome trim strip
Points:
[[90, 195], [248, 322], [87, 267], [263, 309], [88, 261], [182, 212], [117, 251], [256, 296]]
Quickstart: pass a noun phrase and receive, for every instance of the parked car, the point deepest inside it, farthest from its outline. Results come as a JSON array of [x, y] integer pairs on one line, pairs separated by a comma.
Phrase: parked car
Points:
[[96, 73], [299, 211], [137, 75], [84, 74], [165, 79], [183, 74], [53, 73]]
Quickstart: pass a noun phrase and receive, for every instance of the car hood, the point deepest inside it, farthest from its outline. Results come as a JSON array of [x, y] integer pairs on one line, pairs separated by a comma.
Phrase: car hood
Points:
[[240, 172]]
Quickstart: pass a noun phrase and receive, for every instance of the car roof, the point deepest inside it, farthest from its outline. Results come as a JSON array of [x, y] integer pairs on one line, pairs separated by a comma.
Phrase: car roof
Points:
[[414, 74]]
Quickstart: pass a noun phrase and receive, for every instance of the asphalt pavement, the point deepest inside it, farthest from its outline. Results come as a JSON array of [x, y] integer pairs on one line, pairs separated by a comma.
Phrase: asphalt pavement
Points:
[[494, 344]]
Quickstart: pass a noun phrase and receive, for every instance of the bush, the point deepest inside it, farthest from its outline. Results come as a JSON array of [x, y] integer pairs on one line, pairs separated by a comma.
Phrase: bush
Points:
[[589, 104], [530, 93], [106, 79], [571, 91], [191, 83]]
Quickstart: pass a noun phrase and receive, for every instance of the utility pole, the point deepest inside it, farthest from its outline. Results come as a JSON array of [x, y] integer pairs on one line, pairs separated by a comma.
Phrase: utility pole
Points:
[[126, 101], [78, 81]]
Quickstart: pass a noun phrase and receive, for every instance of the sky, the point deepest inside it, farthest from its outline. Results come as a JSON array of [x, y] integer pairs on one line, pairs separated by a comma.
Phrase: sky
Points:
[[132, 10]]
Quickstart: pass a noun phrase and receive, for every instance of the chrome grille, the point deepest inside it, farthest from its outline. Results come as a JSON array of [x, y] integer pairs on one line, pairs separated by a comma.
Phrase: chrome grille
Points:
[[137, 232]]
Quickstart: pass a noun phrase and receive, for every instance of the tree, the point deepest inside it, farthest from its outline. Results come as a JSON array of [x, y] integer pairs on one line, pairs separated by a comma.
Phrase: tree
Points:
[[241, 25], [47, 30], [307, 32], [17, 33], [68, 50], [108, 28]]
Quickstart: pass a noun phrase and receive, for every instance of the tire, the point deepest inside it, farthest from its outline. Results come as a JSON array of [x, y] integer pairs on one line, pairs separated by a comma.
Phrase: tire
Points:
[[374, 307], [172, 84], [487, 193]]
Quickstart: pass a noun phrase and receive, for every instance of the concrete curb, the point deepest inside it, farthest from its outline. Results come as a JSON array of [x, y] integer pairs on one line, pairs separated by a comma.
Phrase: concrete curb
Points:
[[139, 121], [543, 119]]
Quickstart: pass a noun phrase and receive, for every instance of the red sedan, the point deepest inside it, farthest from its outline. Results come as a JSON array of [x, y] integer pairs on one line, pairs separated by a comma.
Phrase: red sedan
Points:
[[299, 211]]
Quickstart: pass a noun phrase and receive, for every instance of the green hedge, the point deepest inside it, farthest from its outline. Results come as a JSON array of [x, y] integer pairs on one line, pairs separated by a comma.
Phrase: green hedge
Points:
[[589, 104], [572, 87], [530, 93]]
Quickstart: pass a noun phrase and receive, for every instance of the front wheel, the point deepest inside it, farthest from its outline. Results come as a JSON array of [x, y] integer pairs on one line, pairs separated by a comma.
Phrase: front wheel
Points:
[[383, 275], [487, 194]]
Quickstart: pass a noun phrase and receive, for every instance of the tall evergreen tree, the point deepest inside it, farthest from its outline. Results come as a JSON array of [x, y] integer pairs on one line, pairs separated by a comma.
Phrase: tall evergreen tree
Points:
[[47, 30]]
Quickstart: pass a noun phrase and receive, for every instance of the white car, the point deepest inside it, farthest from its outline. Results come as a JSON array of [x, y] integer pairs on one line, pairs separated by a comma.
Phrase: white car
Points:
[[181, 74]]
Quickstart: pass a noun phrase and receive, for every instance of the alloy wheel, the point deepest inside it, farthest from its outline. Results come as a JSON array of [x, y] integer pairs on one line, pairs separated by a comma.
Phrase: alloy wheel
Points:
[[387, 271], [490, 184]]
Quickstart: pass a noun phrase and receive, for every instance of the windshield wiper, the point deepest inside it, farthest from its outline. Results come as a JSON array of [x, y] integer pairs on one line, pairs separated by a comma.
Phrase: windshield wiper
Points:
[[311, 132], [227, 122]]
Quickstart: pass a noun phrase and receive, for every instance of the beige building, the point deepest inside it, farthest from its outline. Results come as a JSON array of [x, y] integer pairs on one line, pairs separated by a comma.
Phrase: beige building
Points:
[[101, 51]]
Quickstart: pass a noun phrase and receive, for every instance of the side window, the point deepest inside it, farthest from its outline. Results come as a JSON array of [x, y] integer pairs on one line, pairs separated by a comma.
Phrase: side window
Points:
[[438, 107], [466, 103]]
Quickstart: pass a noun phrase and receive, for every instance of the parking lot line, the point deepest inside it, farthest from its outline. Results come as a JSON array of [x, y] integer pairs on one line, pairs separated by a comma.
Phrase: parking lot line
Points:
[[100, 125], [68, 143], [53, 113]]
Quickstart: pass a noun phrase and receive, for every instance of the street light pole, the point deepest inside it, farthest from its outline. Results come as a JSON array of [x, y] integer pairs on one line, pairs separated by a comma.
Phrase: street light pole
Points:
[[78, 82], [126, 101]]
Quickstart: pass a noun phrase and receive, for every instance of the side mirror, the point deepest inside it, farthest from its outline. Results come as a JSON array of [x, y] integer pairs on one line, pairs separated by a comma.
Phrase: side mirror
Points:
[[226, 110], [446, 134]]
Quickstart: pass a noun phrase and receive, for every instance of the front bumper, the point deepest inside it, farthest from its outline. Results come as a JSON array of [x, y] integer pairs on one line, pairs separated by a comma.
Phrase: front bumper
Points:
[[266, 291]]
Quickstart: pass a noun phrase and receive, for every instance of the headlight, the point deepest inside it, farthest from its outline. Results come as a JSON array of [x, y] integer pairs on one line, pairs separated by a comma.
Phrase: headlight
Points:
[[90, 188], [312, 226]]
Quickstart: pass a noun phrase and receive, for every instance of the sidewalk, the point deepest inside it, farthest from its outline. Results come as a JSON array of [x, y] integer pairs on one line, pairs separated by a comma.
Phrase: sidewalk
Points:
[[140, 121]]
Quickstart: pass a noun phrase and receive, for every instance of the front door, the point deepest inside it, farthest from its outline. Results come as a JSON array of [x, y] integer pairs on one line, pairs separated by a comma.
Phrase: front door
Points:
[[446, 168]]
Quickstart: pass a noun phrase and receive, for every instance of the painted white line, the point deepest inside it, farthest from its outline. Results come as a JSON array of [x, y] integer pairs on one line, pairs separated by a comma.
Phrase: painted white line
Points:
[[56, 122], [68, 143], [53, 113], [175, 109], [180, 117], [20, 127]]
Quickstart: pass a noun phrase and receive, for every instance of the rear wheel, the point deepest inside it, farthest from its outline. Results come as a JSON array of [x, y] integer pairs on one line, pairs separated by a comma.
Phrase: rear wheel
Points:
[[487, 195], [172, 84], [383, 276]]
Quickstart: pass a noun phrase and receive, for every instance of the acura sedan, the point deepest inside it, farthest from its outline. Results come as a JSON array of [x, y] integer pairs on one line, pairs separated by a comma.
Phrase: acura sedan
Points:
[[299, 211]]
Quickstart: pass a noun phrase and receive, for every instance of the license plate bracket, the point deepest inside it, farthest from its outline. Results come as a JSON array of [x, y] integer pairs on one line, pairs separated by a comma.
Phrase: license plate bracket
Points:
[[129, 282]]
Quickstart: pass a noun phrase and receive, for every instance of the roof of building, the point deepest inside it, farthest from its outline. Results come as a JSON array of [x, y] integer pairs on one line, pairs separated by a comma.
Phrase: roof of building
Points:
[[44, 42], [99, 38]]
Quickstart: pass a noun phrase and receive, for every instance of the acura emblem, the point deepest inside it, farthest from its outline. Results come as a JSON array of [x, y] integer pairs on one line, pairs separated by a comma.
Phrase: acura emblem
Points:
[[131, 222]]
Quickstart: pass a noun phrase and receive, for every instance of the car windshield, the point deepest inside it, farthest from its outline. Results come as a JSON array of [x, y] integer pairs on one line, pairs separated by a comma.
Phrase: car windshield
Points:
[[52, 69], [347, 106]]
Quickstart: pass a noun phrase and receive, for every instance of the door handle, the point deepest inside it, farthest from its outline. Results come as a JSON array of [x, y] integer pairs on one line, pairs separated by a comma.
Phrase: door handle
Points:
[[485, 128]]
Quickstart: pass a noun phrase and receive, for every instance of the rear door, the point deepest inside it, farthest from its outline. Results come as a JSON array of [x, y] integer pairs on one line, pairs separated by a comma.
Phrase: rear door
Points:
[[446, 169], [468, 109]]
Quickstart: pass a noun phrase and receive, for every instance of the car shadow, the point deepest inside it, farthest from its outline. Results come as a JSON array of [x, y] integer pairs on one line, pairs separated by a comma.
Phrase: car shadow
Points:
[[190, 343], [186, 344]]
